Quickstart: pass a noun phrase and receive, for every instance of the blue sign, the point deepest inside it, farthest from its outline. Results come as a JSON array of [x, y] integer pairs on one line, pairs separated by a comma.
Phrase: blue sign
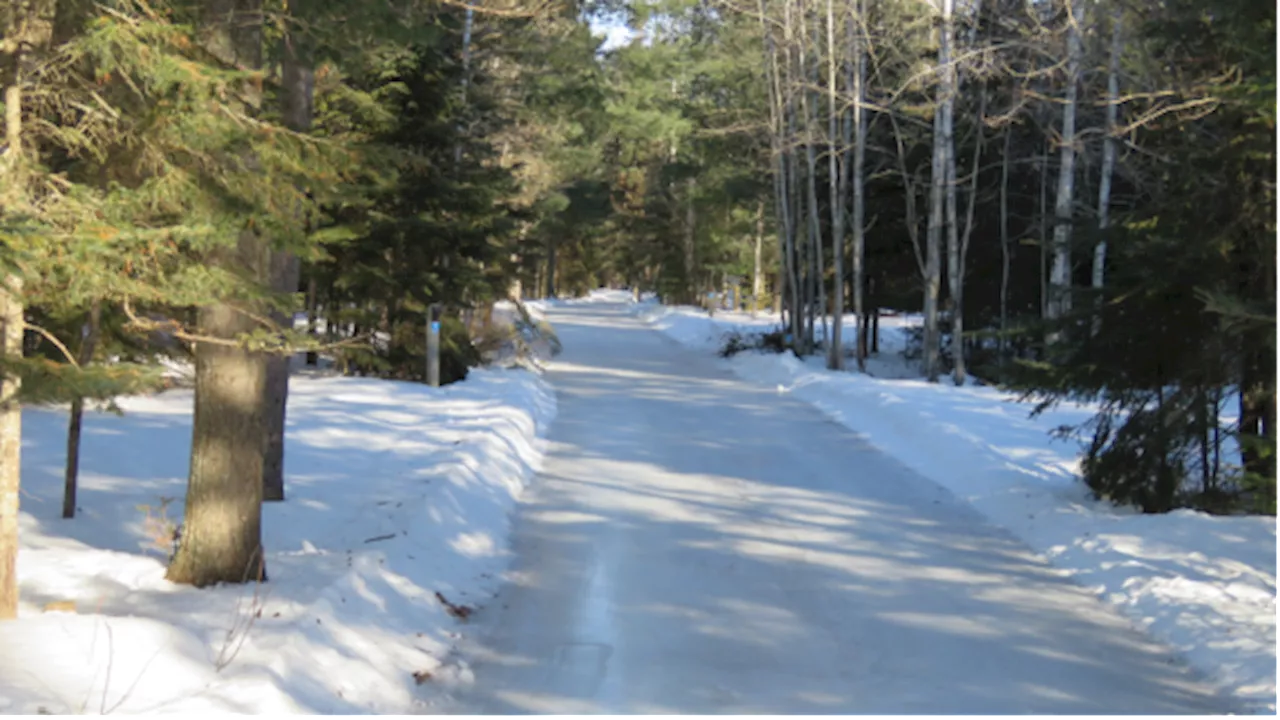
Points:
[[435, 326]]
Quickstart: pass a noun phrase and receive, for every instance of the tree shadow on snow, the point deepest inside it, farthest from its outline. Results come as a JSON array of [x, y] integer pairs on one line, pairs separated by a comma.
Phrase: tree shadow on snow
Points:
[[699, 545]]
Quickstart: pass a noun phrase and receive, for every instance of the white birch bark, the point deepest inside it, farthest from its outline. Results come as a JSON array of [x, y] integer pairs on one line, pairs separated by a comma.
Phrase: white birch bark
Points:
[[1108, 153], [1060, 272], [937, 194]]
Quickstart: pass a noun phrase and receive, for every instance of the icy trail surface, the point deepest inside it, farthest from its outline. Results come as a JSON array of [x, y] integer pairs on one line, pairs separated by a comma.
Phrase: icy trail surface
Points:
[[697, 544]]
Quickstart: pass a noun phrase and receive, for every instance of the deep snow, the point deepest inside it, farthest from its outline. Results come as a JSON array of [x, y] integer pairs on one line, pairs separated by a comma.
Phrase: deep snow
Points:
[[396, 492], [1202, 584]]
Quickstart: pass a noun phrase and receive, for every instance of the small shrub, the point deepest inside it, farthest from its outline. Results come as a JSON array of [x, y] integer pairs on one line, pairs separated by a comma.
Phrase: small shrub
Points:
[[775, 341], [734, 343]]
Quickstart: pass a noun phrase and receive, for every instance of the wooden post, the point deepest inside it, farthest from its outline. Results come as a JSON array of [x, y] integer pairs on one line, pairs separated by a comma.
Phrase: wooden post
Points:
[[433, 345]]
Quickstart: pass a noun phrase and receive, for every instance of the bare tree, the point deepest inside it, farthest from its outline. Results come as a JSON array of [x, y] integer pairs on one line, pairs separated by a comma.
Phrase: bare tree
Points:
[[938, 189], [817, 305], [1108, 152], [835, 353], [857, 175], [1060, 274]]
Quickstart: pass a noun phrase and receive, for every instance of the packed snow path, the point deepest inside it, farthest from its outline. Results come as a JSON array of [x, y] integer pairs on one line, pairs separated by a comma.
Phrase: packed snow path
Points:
[[696, 544]]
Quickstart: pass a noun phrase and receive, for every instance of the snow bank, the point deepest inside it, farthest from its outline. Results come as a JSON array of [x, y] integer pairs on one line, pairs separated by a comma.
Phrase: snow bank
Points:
[[1202, 584], [396, 492]]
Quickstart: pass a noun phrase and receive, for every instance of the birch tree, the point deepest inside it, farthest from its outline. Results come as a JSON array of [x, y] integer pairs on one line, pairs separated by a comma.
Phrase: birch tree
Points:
[[1060, 272], [1108, 152], [938, 189]]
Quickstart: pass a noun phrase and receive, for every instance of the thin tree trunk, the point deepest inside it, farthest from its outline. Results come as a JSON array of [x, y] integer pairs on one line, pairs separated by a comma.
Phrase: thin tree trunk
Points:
[[875, 330], [551, 268], [857, 177], [835, 355], [221, 537], [1060, 274], [777, 139], [937, 196], [757, 277], [818, 292], [296, 106], [1004, 244], [1108, 157], [284, 268], [962, 253], [954, 287], [1044, 232], [88, 345], [787, 92], [690, 228]]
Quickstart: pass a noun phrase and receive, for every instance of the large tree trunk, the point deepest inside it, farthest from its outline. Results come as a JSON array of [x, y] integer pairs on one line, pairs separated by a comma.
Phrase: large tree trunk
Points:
[[1108, 156], [296, 103], [71, 477], [27, 28], [11, 330], [221, 532], [1060, 274], [222, 524]]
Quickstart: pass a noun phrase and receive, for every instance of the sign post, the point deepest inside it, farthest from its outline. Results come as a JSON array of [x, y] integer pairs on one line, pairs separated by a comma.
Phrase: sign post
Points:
[[433, 345]]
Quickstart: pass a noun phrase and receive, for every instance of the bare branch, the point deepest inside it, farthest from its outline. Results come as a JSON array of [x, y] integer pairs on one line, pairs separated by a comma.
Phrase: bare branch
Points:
[[56, 342]]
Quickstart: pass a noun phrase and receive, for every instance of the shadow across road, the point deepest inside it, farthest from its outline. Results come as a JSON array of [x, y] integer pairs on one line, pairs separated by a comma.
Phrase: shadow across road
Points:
[[696, 544]]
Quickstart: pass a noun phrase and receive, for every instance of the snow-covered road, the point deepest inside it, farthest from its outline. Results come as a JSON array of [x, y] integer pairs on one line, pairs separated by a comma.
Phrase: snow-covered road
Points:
[[697, 544]]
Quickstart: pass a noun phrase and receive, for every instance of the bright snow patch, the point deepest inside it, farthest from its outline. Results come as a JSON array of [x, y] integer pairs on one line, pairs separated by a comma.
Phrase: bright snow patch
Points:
[[1203, 584], [396, 492]]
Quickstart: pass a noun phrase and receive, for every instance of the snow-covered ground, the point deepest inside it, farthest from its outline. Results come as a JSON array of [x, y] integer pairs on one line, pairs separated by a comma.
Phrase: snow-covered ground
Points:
[[396, 492], [1203, 584]]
